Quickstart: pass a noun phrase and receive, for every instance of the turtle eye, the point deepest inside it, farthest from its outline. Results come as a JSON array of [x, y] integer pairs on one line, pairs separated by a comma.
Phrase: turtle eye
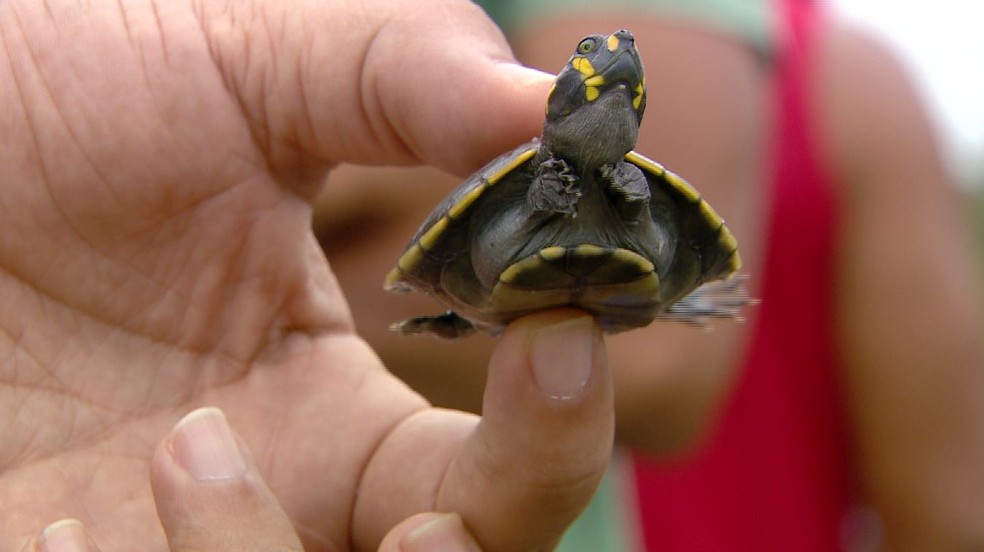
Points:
[[587, 46]]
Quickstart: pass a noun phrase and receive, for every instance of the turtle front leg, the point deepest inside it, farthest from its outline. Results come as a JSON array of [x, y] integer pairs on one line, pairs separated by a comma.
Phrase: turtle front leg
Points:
[[555, 188], [629, 186], [628, 181]]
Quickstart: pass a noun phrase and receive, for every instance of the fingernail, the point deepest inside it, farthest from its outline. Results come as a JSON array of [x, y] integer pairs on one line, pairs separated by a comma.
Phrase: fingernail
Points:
[[66, 535], [561, 355], [204, 446], [446, 533]]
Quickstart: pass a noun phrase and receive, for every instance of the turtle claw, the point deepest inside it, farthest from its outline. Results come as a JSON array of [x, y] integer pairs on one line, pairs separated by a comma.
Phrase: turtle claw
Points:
[[448, 325], [720, 299], [555, 188]]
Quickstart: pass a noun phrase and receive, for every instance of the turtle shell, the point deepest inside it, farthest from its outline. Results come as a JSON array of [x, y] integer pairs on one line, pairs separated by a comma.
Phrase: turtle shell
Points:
[[576, 218], [491, 256]]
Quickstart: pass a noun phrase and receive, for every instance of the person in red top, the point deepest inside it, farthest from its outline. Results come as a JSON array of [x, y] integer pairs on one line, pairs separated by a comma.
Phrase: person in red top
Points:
[[776, 473], [855, 421]]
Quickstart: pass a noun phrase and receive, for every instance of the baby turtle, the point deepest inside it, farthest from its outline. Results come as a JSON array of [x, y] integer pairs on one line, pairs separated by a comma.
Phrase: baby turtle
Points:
[[575, 218]]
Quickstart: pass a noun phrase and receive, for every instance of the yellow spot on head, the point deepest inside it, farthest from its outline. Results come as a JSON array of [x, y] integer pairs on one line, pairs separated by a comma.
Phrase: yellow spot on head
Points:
[[613, 42], [597, 80], [583, 66], [591, 93], [637, 101]]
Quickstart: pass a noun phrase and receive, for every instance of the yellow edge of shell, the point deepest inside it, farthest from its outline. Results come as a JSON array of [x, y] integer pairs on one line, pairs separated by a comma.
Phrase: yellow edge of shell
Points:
[[429, 239], [631, 257], [710, 214], [411, 258], [513, 270], [520, 158], [678, 183], [457, 210], [393, 279], [727, 239], [554, 253], [589, 250], [583, 66]]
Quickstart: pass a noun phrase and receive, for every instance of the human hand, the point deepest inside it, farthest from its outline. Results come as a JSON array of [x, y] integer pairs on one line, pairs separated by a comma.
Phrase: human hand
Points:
[[157, 163], [210, 496]]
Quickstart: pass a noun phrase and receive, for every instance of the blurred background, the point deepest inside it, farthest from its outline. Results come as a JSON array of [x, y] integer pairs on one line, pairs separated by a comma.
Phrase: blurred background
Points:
[[942, 46]]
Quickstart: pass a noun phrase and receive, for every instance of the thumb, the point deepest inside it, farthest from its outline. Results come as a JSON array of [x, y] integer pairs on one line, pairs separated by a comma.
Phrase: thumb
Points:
[[377, 82], [545, 437], [521, 474]]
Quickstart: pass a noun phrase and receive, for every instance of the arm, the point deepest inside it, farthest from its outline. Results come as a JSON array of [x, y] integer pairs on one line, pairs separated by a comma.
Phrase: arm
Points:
[[908, 303]]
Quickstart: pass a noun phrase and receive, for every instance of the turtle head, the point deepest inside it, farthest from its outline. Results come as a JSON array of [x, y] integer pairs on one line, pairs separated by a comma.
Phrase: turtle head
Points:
[[597, 102]]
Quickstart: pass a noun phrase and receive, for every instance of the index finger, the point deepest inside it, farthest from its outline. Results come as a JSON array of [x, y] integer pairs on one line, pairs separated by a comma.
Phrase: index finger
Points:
[[388, 83]]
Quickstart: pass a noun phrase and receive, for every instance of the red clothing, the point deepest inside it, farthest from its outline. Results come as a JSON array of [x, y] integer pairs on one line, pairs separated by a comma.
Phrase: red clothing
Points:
[[775, 474]]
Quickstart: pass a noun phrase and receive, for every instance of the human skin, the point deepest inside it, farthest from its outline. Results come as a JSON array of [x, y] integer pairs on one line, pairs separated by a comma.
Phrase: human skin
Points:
[[210, 495], [157, 166]]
